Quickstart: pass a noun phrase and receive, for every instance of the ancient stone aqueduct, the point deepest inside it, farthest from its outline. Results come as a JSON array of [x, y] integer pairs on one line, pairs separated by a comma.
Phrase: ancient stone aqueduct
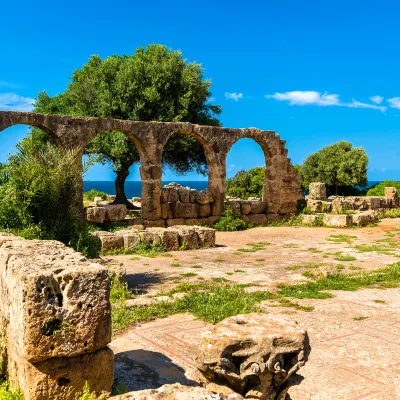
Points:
[[281, 189]]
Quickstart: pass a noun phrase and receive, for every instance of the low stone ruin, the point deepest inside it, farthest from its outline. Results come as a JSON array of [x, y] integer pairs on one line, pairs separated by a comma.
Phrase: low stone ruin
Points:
[[251, 211], [56, 319], [101, 213], [342, 211], [172, 238]]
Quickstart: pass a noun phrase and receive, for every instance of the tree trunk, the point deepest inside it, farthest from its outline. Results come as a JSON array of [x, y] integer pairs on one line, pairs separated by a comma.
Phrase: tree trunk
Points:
[[120, 197]]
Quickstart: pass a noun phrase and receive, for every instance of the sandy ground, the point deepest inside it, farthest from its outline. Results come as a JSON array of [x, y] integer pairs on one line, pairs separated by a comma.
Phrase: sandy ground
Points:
[[350, 359]]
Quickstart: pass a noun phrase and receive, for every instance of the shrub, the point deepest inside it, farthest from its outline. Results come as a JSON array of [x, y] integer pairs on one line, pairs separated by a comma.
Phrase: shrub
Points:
[[8, 394], [38, 196], [246, 184], [230, 221], [92, 193], [379, 188]]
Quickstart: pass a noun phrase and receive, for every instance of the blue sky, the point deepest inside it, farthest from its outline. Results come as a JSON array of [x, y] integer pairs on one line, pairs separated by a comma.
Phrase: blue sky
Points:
[[314, 71]]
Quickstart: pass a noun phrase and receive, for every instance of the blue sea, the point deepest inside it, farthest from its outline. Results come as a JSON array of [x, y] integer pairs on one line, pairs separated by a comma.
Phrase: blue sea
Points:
[[134, 188]]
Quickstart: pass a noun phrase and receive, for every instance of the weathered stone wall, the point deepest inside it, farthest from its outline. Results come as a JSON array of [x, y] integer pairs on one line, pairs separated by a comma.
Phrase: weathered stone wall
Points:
[[281, 189], [56, 316]]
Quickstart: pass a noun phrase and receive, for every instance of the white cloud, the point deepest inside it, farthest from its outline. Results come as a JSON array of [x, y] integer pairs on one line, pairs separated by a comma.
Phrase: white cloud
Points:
[[8, 84], [233, 96], [394, 102], [302, 98], [15, 102], [376, 99]]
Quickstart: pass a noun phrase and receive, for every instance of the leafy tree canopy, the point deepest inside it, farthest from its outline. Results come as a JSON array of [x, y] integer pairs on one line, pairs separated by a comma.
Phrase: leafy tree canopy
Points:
[[246, 184], [153, 84], [338, 165], [379, 188]]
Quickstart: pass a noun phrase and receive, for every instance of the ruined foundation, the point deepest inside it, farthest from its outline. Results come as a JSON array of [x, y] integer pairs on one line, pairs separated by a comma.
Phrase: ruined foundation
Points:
[[56, 319]]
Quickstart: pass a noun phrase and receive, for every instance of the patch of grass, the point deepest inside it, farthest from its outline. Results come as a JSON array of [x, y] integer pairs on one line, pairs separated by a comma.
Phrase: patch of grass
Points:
[[9, 394], [219, 280], [370, 248], [391, 213], [218, 260], [384, 277], [308, 274], [239, 270], [144, 249], [361, 318], [306, 266], [291, 246], [196, 266], [188, 274], [288, 303], [252, 250], [176, 265], [354, 268], [380, 301], [344, 257], [260, 259], [314, 250], [166, 255], [135, 258], [342, 238], [230, 273], [119, 290]]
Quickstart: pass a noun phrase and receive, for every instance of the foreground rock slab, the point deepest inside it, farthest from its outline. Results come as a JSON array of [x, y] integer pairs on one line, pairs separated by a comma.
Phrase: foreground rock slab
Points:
[[255, 355]]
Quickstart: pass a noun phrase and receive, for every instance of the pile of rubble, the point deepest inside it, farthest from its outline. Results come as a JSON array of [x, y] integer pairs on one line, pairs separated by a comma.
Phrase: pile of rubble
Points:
[[173, 238]]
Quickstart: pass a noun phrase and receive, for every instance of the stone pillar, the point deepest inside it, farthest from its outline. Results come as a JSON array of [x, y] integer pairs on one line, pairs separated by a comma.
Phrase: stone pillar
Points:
[[216, 185], [255, 355], [317, 191], [391, 193], [57, 319]]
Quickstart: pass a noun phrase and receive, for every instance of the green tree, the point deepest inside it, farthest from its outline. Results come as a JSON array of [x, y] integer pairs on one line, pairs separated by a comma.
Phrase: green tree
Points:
[[379, 188], [153, 84], [246, 184], [339, 165]]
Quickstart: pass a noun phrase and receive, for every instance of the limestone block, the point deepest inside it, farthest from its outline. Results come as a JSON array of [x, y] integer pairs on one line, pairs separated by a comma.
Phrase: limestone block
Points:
[[206, 236], [245, 208], [257, 207], [164, 196], [97, 200], [63, 378], [364, 218], [115, 212], [173, 195], [204, 210], [338, 220], [203, 196], [131, 239], [188, 238], [96, 214], [55, 302], [209, 220], [175, 221], [6, 237], [169, 238], [191, 221], [165, 210], [184, 195], [234, 205], [317, 191], [110, 241], [191, 198], [309, 219], [391, 193], [255, 355], [314, 205], [374, 202], [256, 219], [184, 210], [154, 223], [150, 236], [386, 202]]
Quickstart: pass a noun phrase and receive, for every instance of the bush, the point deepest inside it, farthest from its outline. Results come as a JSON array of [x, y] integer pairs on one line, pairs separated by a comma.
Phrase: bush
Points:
[[92, 193], [379, 188], [230, 221], [8, 394], [246, 184], [39, 189]]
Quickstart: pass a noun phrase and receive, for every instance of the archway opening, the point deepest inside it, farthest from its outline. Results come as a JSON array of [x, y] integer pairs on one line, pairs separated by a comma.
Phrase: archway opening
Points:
[[246, 171], [184, 179], [111, 165]]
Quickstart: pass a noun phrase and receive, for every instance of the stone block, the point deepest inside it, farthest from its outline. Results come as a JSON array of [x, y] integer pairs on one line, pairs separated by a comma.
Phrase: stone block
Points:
[[131, 239], [115, 212], [373, 202], [206, 236], [110, 241], [173, 195], [203, 196], [97, 200], [184, 195], [170, 239], [55, 302], [271, 348], [191, 221], [309, 219], [337, 220], [317, 191], [150, 235], [364, 218], [165, 210], [184, 210], [63, 378], [96, 214], [255, 219], [164, 196], [204, 210], [234, 205], [257, 207], [175, 221], [188, 238], [209, 220], [391, 193], [245, 208], [154, 223], [314, 205]]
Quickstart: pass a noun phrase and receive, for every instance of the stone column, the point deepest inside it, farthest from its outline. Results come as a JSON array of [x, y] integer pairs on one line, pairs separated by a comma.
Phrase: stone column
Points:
[[216, 184]]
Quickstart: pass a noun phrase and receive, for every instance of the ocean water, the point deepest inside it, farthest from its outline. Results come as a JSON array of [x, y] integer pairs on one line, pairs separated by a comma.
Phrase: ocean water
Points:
[[134, 188]]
